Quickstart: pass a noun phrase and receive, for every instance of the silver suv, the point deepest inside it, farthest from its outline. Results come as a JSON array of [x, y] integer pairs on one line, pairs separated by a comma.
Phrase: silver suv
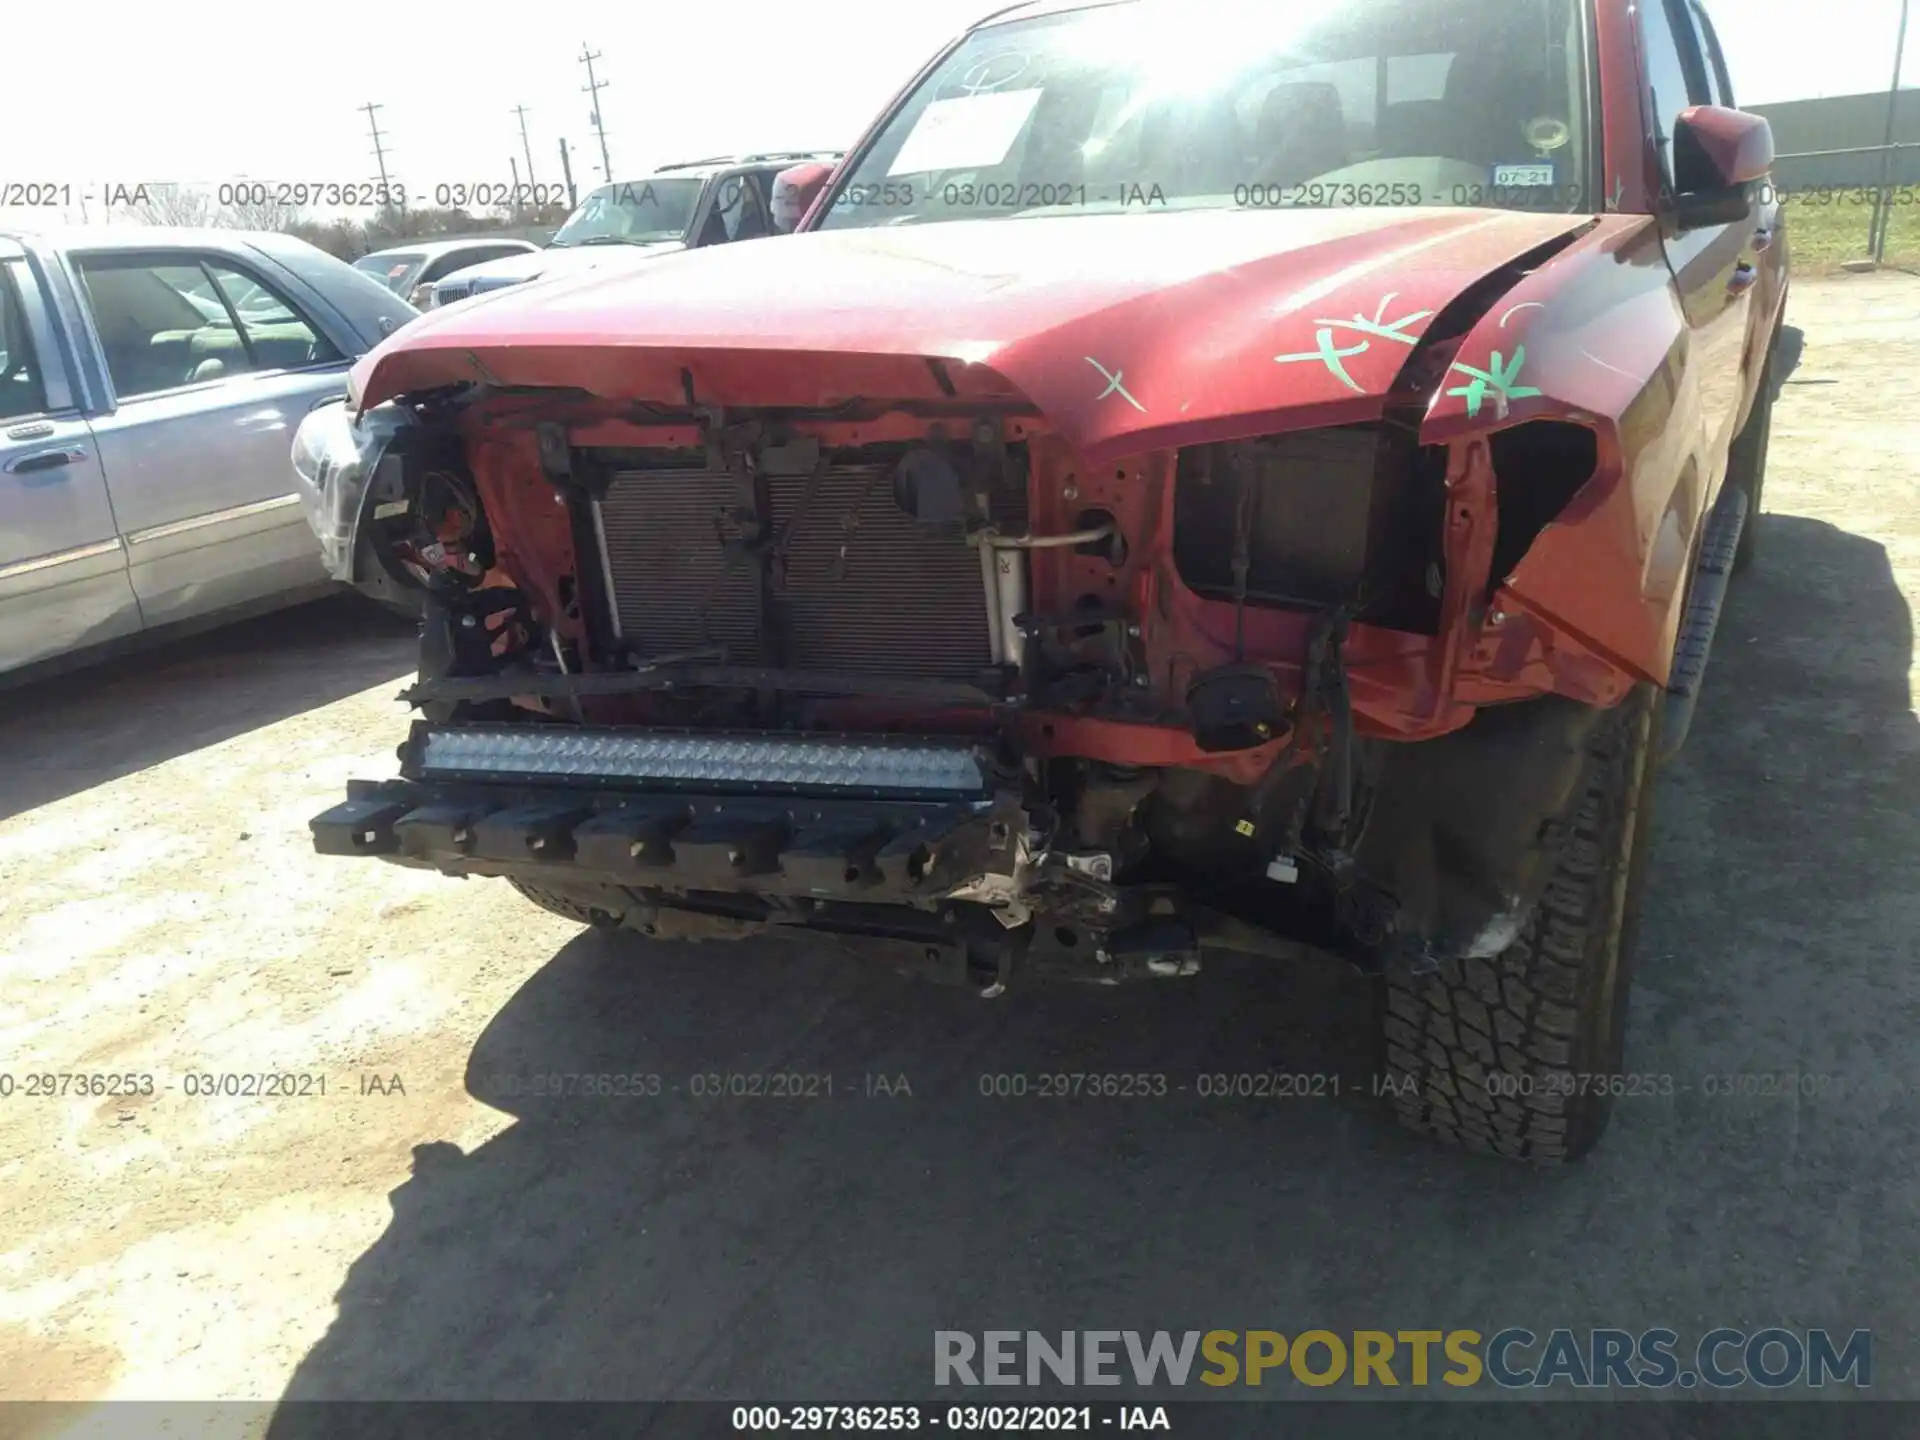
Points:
[[677, 207]]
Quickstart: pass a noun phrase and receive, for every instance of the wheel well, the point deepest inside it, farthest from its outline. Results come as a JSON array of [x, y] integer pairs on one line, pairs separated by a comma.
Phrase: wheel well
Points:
[[1465, 828]]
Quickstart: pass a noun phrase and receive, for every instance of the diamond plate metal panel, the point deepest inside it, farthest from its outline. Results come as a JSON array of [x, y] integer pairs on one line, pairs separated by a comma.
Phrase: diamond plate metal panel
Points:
[[760, 761]]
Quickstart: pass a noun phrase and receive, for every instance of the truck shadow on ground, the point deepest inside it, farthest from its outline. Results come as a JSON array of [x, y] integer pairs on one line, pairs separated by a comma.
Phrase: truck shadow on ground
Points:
[[67, 733], [1787, 357], [687, 1246]]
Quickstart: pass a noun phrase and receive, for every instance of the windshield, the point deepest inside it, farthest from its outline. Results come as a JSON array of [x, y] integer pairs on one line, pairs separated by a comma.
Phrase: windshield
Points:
[[637, 212], [396, 272], [1152, 106]]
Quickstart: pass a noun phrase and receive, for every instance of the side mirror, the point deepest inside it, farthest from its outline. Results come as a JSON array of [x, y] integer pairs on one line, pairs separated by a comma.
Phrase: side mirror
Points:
[[1719, 155], [794, 191]]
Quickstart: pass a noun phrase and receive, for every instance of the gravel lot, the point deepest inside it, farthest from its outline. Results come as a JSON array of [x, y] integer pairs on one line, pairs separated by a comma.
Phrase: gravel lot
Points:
[[161, 913]]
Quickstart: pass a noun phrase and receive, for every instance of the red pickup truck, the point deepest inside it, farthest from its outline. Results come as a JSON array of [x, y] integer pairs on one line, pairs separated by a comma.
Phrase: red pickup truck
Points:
[[1201, 477]]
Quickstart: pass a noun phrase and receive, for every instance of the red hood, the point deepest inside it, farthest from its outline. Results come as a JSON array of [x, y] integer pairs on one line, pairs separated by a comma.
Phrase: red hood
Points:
[[1121, 328]]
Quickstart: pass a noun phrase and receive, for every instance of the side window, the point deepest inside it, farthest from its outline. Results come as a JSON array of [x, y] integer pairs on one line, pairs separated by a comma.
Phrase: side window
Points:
[[177, 321], [745, 212], [1672, 73], [277, 335], [1718, 81], [21, 390]]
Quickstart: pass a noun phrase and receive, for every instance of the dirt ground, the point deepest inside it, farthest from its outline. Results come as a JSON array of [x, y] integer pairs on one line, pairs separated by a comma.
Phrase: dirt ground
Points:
[[428, 1232]]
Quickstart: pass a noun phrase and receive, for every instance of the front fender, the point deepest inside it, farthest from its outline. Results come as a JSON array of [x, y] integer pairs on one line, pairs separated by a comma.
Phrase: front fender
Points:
[[1596, 338]]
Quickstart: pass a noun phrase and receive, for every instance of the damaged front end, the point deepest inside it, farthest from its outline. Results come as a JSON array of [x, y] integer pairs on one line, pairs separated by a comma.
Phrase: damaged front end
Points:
[[914, 675]]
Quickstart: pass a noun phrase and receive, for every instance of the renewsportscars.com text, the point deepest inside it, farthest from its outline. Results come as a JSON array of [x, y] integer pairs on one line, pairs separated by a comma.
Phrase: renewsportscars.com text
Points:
[[1513, 1358]]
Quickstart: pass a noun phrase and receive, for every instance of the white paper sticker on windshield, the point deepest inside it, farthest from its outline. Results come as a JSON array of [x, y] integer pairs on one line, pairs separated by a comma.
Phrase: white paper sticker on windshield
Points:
[[973, 132]]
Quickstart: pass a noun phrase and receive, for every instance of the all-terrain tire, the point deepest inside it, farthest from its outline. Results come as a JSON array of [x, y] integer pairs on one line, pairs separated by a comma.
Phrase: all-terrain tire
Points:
[[566, 906], [1747, 464], [1519, 1055]]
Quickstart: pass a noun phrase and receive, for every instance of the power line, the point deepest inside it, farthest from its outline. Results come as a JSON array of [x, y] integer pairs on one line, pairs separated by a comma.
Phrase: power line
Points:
[[593, 87]]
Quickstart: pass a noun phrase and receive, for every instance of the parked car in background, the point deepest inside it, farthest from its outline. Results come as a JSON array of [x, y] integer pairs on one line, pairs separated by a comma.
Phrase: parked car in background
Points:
[[677, 207], [412, 270], [150, 383]]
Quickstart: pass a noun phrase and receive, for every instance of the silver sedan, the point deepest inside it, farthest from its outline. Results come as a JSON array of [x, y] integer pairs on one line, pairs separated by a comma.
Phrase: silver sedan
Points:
[[151, 381]]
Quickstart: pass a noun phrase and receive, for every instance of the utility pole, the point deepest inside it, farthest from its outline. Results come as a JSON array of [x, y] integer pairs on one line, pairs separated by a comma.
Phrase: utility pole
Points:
[[379, 151], [514, 208], [1882, 201], [566, 169], [593, 87], [387, 208], [525, 148]]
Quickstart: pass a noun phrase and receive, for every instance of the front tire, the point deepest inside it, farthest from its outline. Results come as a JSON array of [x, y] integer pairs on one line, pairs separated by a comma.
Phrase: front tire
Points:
[[1519, 1055]]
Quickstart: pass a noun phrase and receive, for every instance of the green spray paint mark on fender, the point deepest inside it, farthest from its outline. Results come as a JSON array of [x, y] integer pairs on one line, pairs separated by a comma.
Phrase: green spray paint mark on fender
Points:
[[1499, 379]]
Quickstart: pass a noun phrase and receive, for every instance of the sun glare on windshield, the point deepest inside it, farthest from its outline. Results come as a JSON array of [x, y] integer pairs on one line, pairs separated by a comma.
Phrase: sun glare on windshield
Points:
[[1231, 105]]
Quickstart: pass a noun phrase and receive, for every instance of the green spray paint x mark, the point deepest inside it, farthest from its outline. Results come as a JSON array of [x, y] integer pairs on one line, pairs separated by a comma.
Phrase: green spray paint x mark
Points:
[[1499, 379], [1332, 355]]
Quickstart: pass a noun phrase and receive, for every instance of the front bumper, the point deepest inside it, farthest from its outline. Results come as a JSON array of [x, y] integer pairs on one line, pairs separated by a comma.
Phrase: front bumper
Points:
[[930, 847], [867, 851], [912, 883], [862, 819]]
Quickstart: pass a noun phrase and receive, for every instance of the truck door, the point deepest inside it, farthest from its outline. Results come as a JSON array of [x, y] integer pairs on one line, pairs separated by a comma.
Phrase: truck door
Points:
[[1715, 268], [1766, 249], [63, 569], [212, 370]]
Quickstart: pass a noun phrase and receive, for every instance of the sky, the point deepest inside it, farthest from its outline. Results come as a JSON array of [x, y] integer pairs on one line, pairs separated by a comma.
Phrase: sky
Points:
[[230, 90]]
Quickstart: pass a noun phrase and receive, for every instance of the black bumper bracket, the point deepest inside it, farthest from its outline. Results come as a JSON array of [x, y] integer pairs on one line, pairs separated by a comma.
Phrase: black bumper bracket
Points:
[[358, 827], [632, 840], [438, 829], [530, 832]]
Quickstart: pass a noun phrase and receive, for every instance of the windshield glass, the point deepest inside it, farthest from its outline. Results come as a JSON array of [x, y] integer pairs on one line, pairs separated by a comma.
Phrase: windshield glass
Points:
[[396, 272], [638, 212], [1210, 103]]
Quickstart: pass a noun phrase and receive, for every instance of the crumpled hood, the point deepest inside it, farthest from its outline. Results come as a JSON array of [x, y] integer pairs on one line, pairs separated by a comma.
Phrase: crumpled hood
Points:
[[1123, 329]]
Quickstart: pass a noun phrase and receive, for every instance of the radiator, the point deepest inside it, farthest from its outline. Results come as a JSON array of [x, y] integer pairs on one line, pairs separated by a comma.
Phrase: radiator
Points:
[[907, 601]]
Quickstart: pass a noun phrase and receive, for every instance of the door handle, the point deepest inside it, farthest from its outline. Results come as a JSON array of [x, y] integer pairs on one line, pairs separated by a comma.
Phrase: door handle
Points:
[[1744, 276], [1762, 240], [44, 460]]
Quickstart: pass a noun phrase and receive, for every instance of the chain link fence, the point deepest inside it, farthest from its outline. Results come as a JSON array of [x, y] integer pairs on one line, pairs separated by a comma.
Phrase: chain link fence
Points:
[[1853, 225]]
